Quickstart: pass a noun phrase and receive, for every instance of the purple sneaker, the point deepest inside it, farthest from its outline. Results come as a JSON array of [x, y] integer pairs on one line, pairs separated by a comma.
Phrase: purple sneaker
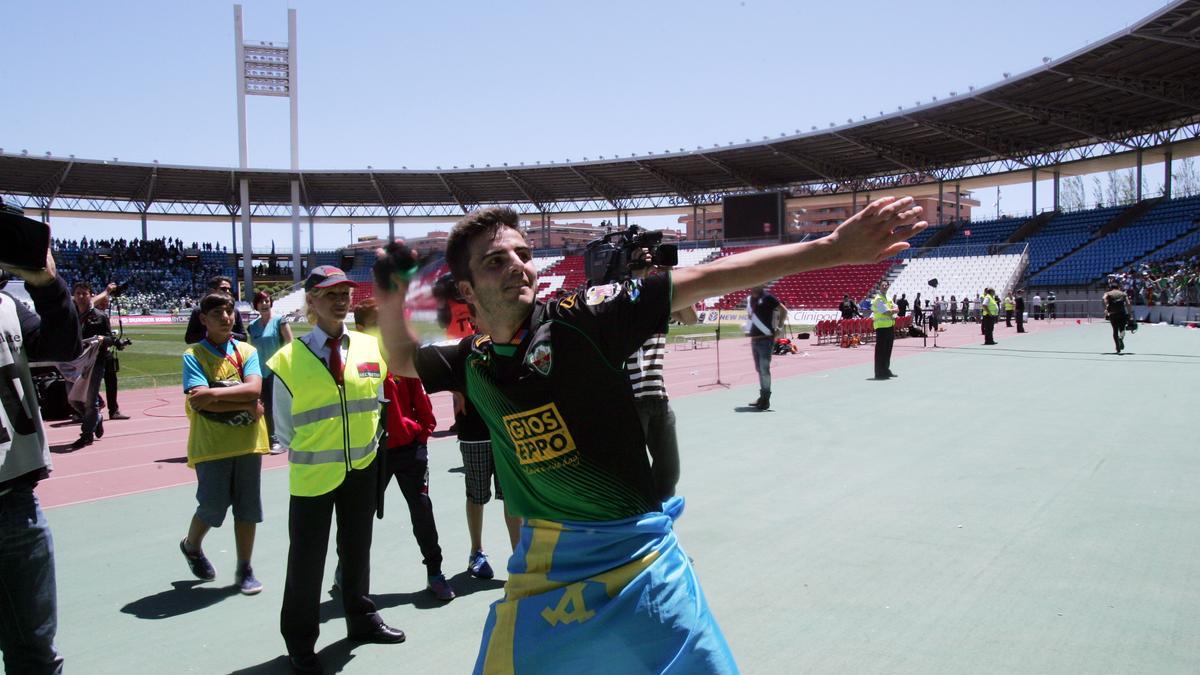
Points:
[[440, 587]]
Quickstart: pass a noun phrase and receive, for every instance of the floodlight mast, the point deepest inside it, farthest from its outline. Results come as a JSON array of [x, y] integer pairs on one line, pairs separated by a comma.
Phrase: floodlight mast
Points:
[[267, 69]]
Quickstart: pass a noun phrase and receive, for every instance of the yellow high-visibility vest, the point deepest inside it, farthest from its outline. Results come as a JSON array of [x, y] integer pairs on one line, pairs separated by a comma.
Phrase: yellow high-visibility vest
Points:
[[989, 306], [336, 428], [879, 311], [1008, 303]]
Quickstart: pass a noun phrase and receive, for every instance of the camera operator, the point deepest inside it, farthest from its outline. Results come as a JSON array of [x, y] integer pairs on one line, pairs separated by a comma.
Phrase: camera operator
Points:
[[112, 364], [28, 594], [195, 329], [645, 367], [92, 323]]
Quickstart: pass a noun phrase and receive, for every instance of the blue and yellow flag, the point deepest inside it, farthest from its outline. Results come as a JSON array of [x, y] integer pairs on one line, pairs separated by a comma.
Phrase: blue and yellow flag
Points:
[[614, 597]]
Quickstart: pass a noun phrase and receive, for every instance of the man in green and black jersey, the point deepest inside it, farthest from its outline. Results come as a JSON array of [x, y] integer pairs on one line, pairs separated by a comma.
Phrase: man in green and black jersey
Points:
[[550, 384]]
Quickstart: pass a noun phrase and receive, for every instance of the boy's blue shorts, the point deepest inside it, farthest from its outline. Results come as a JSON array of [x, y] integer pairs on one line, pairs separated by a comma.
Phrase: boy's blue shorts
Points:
[[233, 481]]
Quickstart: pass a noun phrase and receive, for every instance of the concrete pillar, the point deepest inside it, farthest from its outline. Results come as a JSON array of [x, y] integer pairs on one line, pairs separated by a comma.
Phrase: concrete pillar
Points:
[[941, 200], [957, 202], [1033, 187], [1057, 177], [143, 226], [391, 227], [1167, 159], [1139, 175]]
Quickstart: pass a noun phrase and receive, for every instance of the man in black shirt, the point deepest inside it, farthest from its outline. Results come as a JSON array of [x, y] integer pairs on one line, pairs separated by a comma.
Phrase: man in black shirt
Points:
[[1020, 311], [765, 313], [195, 329], [92, 323], [848, 309], [549, 383], [902, 305]]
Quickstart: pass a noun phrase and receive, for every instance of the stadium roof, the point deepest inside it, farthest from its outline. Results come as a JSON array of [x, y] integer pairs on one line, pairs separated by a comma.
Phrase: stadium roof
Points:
[[1137, 89]]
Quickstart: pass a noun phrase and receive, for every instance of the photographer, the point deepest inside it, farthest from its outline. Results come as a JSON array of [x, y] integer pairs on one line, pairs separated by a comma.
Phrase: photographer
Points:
[[28, 596], [195, 329], [112, 364], [567, 444], [92, 323]]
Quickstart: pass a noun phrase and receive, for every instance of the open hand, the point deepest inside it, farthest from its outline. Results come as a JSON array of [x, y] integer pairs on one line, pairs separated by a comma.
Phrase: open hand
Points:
[[877, 232]]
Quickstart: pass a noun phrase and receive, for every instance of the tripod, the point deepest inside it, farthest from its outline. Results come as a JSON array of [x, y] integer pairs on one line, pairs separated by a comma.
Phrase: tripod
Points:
[[717, 382]]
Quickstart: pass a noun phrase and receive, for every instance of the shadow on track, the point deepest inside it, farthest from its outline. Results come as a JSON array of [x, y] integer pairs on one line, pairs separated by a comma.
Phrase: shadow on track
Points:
[[184, 597], [334, 658]]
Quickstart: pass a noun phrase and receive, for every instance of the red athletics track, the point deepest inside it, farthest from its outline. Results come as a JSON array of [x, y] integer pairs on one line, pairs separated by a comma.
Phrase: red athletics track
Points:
[[147, 452]]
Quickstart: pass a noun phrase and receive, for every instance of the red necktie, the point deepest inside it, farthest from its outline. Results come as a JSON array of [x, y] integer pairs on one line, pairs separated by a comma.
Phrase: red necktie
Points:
[[335, 358]]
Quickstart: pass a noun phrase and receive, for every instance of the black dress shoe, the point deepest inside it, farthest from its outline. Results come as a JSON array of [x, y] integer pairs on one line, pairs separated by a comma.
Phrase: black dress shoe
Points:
[[100, 429], [81, 442], [381, 634], [308, 664], [891, 374], [115, 415]]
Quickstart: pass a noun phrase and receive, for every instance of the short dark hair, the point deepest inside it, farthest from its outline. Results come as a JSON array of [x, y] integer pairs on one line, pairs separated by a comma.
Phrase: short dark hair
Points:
[[216, 281], [81, 284], [214, 300], [480, 222]]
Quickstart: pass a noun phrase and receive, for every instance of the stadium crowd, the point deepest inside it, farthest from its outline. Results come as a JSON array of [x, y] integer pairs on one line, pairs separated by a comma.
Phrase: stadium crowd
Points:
[[1163, 283], [159, 273]]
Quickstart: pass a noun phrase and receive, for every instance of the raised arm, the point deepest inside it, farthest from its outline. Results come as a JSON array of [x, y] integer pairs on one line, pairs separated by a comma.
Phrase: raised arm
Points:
[[871, 235], [394, 268]]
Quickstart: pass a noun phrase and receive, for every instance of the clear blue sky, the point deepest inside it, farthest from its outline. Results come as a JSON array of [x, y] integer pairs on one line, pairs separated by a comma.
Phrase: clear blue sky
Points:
[[421, 85]]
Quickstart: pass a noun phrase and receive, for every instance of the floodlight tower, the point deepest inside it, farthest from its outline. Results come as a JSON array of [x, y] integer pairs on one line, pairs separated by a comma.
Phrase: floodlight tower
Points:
[[267, 69]]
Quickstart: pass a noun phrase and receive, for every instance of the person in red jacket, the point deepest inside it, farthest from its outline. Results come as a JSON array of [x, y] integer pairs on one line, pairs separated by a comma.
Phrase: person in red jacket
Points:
[[410, 421]]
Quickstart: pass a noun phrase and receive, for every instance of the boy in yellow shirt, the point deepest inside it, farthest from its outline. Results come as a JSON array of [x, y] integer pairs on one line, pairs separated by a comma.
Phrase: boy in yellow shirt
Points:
[[226, 439]]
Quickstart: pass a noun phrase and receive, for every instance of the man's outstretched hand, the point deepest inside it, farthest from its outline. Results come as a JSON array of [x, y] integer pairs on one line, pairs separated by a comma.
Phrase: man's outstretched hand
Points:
[[878, 231]]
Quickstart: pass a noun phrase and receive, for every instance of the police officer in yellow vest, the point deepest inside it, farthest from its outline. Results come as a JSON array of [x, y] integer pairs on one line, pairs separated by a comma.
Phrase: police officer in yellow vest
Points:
[[1009, 305], [327, 408], [883, 316], [990, 312]]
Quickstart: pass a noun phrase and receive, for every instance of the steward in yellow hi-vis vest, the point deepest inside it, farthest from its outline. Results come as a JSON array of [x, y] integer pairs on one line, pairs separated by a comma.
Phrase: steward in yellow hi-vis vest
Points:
[[327, 411], [883, 318], [1009, 304], [990, 312], [334, 428]]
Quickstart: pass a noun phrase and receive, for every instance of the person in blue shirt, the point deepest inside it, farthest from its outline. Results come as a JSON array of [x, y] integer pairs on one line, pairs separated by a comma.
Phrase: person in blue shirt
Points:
[[268, 333]]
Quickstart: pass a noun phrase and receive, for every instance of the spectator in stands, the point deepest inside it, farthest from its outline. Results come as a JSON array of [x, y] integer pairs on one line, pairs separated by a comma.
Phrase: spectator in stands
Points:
[[848, 308], [268, 333], [883, 317], [953, 309], [409, 422], [766, 315], [93, 324], [1020, 303], [227, 438], [29, 597], [1051, 309], [1009, 304], [1037, 307], [195, 329], [1116, 311]]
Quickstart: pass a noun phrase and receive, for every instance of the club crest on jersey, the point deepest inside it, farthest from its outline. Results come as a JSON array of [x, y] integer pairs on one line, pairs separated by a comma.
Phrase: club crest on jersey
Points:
[[540, 358], [600, 294]]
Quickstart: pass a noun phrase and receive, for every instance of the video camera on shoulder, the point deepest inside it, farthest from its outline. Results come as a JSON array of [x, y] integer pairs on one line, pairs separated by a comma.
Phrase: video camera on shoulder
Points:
[[610, 258], [25, 240]]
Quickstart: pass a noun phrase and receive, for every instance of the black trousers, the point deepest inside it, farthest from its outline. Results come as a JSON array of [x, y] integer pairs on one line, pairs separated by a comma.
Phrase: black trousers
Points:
[[1008, 313], [1020, 322], [884, 337], [110, 385], [410, 465], [989, 328], [309, 519], [1118, 326]]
